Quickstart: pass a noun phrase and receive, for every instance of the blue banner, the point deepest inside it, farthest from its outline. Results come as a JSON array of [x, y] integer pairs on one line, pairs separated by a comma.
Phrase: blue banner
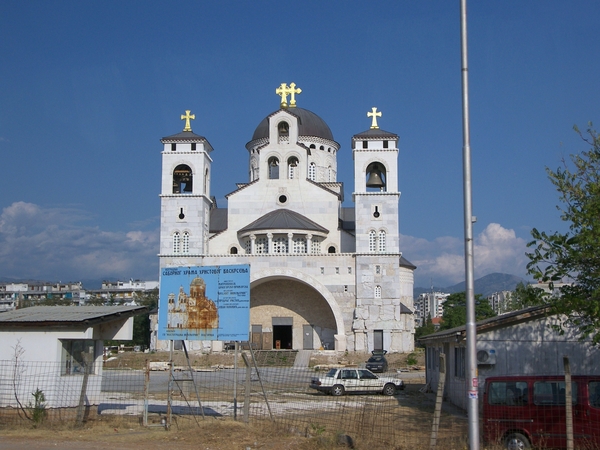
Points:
[[204, 303]]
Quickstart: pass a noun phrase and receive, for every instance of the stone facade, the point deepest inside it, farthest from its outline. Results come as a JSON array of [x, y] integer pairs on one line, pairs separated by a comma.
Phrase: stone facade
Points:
[[322, 275]]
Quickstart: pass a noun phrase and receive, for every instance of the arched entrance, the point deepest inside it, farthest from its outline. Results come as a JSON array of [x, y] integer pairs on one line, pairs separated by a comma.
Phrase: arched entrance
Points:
[[288, 313]]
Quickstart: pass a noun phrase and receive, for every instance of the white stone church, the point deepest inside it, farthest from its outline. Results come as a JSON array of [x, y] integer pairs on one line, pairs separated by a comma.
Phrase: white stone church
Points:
[[323, 276]]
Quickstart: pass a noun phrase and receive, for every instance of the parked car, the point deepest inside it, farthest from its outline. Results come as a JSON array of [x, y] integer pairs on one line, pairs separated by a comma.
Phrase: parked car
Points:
[[377, 362], [521, 412], [339, 381]]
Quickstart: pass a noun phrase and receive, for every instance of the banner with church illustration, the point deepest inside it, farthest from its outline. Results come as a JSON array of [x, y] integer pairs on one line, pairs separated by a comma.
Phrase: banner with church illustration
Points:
[[204, 303]]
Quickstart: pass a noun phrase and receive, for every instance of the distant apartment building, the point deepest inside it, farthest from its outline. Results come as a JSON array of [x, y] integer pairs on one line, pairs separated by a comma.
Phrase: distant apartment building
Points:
[[14, 295], [500, 302], [17, 295], [123, 292], [429, 304]]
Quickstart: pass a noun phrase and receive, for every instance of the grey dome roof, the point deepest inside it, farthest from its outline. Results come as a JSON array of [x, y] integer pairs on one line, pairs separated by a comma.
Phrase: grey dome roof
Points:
[[283, 219], [309, 124]]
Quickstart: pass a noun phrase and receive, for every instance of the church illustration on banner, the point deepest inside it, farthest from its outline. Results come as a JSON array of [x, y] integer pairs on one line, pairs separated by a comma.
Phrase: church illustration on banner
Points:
[[323, 274], [194, 311]]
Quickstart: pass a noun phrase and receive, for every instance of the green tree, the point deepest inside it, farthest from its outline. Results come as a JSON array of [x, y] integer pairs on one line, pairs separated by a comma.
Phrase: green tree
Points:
[[141, 322], [427, 328], [526, 295], [95, 300], [455, 310], [57, 301], [574, 257]]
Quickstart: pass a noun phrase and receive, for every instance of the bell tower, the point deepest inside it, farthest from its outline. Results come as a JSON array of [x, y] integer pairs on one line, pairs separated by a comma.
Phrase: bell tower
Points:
[[185, 196], [378, 272], [376, 193]]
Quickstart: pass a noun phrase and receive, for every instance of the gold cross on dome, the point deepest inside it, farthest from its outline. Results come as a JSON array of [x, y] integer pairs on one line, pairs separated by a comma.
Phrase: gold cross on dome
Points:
[[283, 91], [293, 92], [374, 114], [187, 116]]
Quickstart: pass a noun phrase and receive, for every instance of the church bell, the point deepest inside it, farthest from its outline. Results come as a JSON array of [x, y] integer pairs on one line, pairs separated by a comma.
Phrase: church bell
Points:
[[375, 180]]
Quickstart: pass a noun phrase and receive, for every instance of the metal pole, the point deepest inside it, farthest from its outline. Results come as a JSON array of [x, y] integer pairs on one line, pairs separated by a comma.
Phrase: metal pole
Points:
[[568, 402], [235, 380], [472, 380]]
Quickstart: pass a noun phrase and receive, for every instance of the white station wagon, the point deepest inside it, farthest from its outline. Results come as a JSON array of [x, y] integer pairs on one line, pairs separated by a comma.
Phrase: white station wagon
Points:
[[340, 381]]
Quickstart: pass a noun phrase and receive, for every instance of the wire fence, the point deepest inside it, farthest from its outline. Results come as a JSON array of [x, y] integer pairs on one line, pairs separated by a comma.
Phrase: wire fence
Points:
[[31, 391], [34, 391]]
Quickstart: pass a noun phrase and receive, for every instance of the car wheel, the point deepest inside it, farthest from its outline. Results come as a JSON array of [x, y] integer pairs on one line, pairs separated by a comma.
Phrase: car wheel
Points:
[[337, 390], [516, 441], [389, 389]]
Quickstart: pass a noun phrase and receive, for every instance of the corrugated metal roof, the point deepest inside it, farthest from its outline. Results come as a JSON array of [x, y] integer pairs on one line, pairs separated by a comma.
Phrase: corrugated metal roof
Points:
[[68, 315], [503, 320]]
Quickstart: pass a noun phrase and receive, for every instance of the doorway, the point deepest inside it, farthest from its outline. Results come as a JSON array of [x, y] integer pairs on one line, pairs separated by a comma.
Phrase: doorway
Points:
[[282, 332], [378, 340], [282, 337], [307, 337]]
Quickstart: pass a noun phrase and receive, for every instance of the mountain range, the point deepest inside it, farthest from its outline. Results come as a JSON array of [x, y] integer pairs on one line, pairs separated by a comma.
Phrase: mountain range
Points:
[[487, 285]]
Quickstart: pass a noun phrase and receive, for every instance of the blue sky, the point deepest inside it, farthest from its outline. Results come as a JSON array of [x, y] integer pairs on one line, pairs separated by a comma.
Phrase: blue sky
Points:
[[87, 89]]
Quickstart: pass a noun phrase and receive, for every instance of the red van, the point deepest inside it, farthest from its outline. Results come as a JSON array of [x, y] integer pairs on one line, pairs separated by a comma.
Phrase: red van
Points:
[[529, 411]]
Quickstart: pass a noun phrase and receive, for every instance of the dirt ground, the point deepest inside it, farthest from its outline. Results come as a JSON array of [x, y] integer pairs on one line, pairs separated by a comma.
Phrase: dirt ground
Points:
[[137, 360], [220, 433], [213, 433]]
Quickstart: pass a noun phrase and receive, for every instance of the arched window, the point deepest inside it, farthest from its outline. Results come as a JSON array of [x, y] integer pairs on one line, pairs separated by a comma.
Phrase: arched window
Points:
[[182, 180], [372, 241], [280, 244], [233, 250], [283, 128], [253, 169], [206, 181], [381, 243], [176, 242], [331, 249], [376, 176], [378, 291], [292, 167], [312, 171], [273, 168], [185, 247]]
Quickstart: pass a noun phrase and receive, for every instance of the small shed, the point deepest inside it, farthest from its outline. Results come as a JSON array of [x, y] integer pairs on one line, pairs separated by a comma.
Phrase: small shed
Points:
[[51, 348], [523, 342]]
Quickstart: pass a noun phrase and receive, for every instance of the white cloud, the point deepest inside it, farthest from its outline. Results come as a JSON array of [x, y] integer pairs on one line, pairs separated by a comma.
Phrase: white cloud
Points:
[[441, 261], [52, 244], [56, 244]]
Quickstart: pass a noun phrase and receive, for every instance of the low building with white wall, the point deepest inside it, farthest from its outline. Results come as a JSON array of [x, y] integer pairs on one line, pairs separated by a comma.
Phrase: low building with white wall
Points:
[[42, 348]]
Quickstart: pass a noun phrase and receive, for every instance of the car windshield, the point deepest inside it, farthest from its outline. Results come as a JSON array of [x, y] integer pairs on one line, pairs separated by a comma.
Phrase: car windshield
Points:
[[331, 373], [375, 358]]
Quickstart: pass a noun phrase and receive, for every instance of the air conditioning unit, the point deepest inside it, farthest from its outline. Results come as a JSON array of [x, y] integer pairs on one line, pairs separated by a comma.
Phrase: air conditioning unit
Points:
[[486, 356]]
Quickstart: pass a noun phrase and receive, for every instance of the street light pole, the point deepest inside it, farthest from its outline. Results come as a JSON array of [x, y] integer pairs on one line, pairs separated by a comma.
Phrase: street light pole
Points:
[[472, 377]]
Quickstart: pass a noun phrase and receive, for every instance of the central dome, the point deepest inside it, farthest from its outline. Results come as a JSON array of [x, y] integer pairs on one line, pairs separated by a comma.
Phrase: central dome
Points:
[[309, 124]]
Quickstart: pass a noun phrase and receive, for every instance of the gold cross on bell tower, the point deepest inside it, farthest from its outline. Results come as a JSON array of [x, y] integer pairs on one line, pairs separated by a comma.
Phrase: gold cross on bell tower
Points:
[[283, 91], [374, 114], [187, 116]]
